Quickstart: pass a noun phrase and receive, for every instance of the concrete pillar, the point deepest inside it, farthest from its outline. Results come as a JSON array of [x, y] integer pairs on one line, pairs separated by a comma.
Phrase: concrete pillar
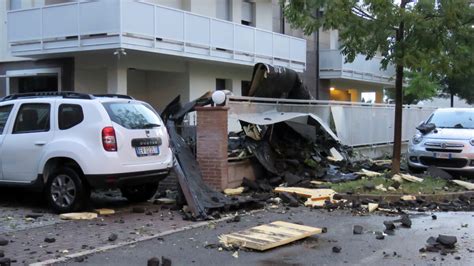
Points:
[[211, 145], [117, 79], [333, 39]]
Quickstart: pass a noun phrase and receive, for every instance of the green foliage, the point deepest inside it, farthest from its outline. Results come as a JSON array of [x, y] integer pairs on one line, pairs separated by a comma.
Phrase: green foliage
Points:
[[437, 34], [420, 86], [429, 185]]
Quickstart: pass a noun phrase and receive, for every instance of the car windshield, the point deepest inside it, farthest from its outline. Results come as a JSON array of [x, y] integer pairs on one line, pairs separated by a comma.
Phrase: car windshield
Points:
[[132, 115], [456, 119]]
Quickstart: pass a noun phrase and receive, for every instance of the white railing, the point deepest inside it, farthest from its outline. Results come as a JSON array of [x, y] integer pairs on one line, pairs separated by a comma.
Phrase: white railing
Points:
[[356, 124], [332, 65], [150, 26]]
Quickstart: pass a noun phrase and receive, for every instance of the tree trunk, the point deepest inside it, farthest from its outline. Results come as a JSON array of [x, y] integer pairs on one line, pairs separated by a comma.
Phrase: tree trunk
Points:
[[397, 131], [452, 99]]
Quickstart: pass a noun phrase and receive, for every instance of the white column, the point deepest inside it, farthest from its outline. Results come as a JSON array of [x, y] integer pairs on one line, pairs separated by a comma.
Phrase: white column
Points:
[[117, 79], [334, 39]]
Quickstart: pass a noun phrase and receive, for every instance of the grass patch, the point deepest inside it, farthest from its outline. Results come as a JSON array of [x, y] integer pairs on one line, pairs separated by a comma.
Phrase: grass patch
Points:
[[428, 186]]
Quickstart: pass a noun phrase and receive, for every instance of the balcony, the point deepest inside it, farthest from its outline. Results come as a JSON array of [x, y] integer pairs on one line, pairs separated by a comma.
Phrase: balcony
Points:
[[332, 66], [107, 24]]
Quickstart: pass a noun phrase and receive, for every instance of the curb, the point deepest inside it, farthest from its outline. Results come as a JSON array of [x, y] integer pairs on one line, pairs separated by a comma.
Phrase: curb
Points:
[[396, 197]]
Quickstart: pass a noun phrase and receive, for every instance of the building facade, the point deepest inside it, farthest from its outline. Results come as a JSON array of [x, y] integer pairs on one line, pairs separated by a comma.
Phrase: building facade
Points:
[[155, 50]]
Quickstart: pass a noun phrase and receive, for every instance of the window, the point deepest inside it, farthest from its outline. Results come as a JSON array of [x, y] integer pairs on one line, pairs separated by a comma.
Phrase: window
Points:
[[69, 116], [248, 13], [4, 114], [223, 84], [32, 118], [132, 115], [453, 119], [223, 9], [245, 87]]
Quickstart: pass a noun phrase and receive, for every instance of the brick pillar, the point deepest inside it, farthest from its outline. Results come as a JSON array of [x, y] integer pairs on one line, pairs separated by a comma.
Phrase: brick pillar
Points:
[[211, 138]]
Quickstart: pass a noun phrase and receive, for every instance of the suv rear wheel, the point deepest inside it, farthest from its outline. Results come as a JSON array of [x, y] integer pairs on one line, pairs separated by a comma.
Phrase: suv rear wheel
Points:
[[65, 191], [139, 193]]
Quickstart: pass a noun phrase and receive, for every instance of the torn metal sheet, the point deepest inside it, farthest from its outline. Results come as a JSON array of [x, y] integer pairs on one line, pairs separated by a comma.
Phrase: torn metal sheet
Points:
[[199, 196], [273, 117], [277, 82]]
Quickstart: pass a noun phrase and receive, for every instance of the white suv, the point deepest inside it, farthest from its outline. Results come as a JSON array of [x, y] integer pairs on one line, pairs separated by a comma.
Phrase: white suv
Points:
[[67, 143]]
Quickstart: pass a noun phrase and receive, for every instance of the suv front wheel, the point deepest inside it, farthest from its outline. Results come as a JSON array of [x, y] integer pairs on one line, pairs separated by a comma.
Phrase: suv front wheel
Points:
[[65, 191], [139, 193]]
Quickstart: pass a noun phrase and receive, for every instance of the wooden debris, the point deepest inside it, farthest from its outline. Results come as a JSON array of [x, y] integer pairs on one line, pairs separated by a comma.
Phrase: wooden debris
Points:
[[397, 178], [78, 216], [401, 177], [467, 185], [381, 188], [314, 194], [104, 211], [372, 207], [267, 236], [368, 173], [233, 191], [382, 162], [335, 155], [315, 182], [165, 201], [392, 188], [408, 197]]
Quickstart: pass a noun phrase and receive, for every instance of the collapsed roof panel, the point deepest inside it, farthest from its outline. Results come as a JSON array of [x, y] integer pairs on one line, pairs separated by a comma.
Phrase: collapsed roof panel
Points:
[[277, 82], [273, 117]]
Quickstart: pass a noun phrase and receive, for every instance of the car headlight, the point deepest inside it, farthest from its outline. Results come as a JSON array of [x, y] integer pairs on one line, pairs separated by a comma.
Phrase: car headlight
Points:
[[417, 139], [472, 142]]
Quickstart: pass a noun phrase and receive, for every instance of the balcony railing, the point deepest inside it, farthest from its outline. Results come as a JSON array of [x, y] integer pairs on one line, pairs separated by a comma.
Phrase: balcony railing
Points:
[[332, 65], [103, 24]]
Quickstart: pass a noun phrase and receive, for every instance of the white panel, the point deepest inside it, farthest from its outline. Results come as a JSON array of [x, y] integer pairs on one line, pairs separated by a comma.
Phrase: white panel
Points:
[[244, 39], [298, 50], [169, 24], [24, 25], [60, 21], [138, 18], [281, 46], [100, 17], [263, 42], [197, 29], [222, 34]]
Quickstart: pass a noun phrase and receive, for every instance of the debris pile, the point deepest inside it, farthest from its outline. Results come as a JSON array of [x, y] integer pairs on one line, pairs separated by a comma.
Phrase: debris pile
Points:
[[443, 244]]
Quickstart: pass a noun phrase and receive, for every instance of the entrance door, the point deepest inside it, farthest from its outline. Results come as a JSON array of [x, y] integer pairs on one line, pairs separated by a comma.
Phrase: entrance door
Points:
[[33, 80]]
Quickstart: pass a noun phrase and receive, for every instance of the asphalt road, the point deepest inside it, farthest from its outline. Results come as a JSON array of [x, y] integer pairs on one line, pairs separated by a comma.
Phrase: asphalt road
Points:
[[189, 247]]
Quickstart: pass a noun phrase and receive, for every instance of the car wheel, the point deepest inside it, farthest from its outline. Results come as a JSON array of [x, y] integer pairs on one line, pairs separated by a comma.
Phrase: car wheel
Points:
[[139, 193], [415, 170], [65, 191]]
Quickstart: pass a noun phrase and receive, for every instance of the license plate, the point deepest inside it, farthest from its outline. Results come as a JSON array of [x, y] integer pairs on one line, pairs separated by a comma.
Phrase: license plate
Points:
[[147, 151], [442, 155]]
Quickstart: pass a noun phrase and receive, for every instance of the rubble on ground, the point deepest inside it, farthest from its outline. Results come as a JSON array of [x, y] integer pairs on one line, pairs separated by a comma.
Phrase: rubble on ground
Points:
[[443, 244]]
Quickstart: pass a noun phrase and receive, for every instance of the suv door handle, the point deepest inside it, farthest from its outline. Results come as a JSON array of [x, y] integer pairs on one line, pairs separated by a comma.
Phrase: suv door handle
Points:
[[40, 143]]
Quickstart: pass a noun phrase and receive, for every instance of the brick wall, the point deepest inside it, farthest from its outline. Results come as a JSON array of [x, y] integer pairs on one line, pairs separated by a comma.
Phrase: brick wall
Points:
[[211, 146]]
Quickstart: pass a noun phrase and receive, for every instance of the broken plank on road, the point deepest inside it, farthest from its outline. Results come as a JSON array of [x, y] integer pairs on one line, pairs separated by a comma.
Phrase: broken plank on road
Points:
[[269, 236], [314, 194]]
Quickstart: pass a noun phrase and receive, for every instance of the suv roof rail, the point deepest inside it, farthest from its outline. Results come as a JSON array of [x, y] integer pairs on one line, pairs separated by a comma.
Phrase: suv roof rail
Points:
[[121, 96], [64, 94]]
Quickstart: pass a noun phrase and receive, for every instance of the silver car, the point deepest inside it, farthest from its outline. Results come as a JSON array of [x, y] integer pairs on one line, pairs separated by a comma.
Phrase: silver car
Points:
[[445, 140]]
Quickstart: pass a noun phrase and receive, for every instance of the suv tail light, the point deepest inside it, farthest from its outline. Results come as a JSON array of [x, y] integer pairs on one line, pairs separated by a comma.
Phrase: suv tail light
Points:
[[109, 140]]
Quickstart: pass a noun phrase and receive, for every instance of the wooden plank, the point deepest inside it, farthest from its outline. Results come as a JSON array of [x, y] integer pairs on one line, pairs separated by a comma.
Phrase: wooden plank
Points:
[[264, 237], [314, 194]]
